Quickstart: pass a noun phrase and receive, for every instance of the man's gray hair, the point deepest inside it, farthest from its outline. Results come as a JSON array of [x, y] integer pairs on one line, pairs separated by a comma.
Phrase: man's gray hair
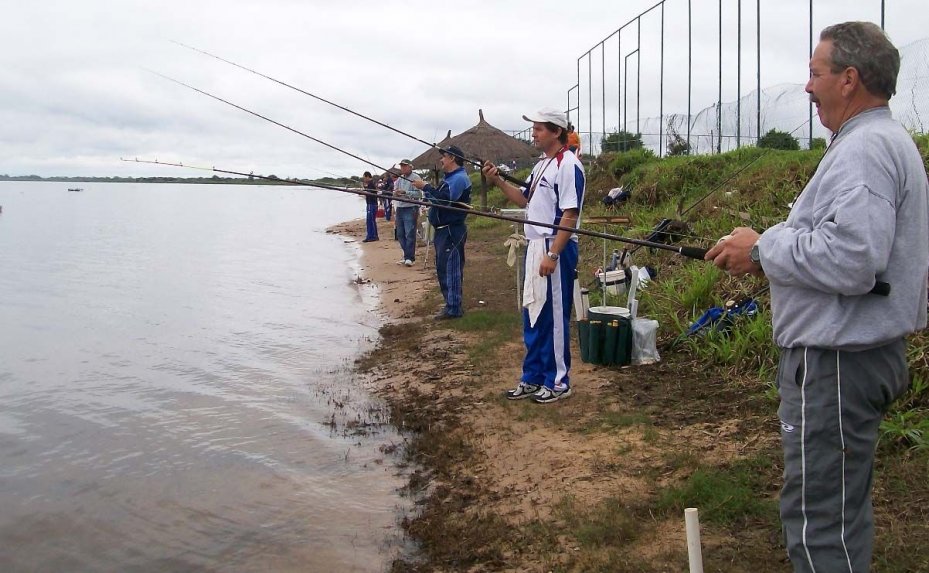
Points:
[[865, 47]]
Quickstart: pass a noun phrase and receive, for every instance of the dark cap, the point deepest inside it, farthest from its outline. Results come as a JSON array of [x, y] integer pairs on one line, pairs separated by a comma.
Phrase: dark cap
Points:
[[455, 151], [406, 162]]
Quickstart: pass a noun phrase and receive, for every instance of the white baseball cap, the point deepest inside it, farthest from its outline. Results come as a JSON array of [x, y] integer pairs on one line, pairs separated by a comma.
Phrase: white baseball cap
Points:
[[549, 115]]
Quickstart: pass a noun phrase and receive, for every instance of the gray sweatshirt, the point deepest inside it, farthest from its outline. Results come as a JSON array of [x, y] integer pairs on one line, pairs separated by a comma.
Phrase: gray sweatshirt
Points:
[[404, 187], [863, 215]]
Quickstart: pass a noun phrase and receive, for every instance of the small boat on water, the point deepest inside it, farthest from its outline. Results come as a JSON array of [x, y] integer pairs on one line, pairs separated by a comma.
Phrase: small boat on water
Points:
[[75, 189]]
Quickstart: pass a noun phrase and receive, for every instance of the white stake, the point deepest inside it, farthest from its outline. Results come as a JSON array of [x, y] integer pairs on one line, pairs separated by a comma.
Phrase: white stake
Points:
[[692, 524]]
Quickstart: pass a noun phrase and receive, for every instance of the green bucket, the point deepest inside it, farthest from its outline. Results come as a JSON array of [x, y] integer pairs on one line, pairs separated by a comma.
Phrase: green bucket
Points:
[[583, 334], [613, 343], [595, 342]]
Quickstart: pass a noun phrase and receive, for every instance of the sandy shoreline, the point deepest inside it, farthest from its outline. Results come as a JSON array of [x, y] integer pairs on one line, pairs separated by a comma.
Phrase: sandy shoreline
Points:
[[399, 287]]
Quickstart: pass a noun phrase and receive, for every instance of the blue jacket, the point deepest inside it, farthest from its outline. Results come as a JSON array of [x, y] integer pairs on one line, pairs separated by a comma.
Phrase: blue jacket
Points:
[[455, 188]]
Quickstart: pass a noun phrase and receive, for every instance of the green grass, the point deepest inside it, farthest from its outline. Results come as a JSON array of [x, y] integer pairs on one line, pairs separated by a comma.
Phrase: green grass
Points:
[[609, 420], [724, 496], [607, 524], [747, 187], [495, 328], [907, 427], [531, 412]]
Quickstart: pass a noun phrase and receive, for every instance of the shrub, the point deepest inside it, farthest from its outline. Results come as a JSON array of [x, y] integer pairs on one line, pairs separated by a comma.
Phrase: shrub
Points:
[[775, 139], [818, 143], [620, 141], [625, 162]]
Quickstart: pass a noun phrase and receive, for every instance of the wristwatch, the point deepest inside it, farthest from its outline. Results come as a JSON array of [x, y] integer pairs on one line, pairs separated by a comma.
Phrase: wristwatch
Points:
[[754, 255], [553, 256]]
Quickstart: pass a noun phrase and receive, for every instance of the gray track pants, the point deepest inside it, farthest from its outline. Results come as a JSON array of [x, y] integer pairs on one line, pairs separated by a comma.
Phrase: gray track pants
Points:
[[831, 407]]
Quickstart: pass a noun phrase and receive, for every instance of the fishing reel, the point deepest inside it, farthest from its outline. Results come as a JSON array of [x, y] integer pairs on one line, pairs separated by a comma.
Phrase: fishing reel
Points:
[[668, 231], [617, 277]]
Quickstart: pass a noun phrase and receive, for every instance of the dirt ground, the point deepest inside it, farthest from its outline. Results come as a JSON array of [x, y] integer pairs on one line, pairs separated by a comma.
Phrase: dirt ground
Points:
[[584, 484]]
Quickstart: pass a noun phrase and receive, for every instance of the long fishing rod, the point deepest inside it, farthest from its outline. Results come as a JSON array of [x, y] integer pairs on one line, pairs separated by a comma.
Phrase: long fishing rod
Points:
[[743, 168], [686, 251], [479, 163], [279, 124], [662, 225], [880, 288], [690, 252]]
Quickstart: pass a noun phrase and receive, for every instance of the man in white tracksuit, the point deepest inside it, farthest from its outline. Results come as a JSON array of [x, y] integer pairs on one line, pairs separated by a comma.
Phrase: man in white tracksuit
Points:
[[553, 194], [862, 218]]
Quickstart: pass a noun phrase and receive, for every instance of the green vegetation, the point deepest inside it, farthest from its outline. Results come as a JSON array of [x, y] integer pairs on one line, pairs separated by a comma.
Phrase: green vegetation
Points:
[[628, 160], [697, 429], [818, 143], [725, 496], [493, 329], [609, 523], [609, 420], [620, 141], [748, 187], [775, 139]]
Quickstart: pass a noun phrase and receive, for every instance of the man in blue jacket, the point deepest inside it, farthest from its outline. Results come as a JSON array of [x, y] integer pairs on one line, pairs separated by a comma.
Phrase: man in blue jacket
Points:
[[450, 229], [864, 216]]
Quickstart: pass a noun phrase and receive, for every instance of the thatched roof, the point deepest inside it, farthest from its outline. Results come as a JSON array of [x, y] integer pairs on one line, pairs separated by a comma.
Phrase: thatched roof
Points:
[[482, 141], [430, 159]]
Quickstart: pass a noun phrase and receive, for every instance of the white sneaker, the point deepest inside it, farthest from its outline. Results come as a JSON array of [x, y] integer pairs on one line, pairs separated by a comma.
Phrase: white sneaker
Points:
[[522, 390], [546, 396], [408, 263], [401, 262]]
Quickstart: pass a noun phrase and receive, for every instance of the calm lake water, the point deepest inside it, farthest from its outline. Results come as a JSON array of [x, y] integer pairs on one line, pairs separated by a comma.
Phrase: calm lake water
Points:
[[175, 383]]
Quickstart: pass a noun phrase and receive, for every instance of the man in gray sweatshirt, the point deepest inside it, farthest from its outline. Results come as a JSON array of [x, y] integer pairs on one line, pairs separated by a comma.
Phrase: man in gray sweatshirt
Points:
[[862, 218], [407, 213]]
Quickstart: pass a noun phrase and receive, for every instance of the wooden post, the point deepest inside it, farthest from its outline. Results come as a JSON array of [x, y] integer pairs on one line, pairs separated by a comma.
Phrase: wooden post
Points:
[[483, 192]]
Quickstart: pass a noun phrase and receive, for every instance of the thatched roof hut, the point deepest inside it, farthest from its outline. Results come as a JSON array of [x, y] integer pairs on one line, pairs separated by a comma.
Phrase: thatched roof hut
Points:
[[483, 141], [430, 158]]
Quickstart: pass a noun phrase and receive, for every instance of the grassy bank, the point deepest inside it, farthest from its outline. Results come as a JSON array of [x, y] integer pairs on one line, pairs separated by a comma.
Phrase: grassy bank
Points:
[[751, 187], [599, 482]]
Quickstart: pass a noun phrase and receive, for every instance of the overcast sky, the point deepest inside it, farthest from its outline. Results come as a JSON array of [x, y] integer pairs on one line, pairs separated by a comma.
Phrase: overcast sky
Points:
[[75, 95]]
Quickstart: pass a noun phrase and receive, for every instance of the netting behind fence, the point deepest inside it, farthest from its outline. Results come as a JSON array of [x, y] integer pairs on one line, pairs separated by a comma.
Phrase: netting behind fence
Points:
[[784, 107]]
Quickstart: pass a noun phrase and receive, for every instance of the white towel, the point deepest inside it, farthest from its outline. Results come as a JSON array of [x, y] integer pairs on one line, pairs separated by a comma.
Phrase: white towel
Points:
[[535, 287], [514, 242]]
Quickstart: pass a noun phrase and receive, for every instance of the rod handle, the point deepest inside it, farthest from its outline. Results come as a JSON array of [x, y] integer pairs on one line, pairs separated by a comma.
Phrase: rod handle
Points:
[[692, 252], [881, 288], [514, 180], [479, 163]]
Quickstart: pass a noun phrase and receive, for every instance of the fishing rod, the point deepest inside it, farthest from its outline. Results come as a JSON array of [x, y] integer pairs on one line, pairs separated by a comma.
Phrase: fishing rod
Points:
[[662, 225], [880, 288], [686, 251], [690, 252], [279, 124], [479, 163], [743, 168]]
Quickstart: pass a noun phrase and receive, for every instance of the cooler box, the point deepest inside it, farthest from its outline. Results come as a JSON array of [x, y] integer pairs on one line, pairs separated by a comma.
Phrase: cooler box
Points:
[[606, 336], [614, 282]]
